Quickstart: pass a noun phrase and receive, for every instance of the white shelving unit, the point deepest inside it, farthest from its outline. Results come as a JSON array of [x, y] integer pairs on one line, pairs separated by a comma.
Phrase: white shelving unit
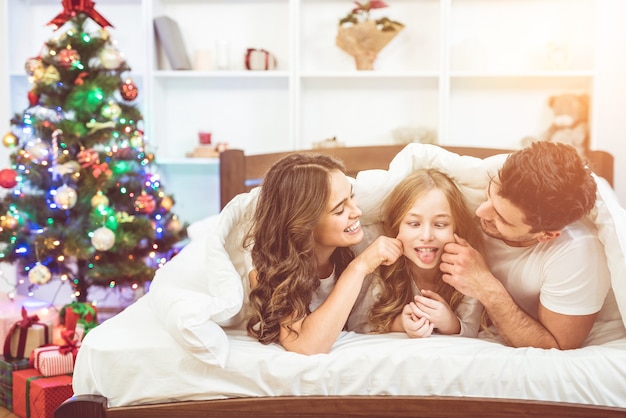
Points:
[[478, 72]]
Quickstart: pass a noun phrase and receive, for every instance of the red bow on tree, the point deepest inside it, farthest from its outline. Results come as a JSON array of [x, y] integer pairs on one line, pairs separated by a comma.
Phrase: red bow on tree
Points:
[[72, 7]]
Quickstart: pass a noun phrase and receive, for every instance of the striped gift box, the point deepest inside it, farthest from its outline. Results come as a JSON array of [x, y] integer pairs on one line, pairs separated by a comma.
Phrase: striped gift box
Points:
[[51, 361]]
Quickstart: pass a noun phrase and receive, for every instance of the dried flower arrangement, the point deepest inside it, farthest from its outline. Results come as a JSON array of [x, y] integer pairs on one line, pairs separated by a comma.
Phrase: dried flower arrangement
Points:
[[364, 38]]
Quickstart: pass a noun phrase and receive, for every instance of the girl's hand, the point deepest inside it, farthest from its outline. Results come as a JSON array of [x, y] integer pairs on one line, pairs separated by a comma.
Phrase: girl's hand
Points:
[[434, 308], [414, 326]]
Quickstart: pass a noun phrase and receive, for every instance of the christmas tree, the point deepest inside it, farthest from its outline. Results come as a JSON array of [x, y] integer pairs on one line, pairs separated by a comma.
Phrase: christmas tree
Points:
[[84, 203]]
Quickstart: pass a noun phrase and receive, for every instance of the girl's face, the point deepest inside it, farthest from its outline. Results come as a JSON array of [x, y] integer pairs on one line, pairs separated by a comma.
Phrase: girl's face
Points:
[[426, 228], [339, 226]]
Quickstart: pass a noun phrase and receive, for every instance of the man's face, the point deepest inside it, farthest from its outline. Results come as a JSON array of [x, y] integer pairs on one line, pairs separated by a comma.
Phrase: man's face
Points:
[[501, 219]]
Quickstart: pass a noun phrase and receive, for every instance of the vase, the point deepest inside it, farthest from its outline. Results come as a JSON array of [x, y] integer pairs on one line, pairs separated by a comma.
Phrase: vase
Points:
[[365, 40]]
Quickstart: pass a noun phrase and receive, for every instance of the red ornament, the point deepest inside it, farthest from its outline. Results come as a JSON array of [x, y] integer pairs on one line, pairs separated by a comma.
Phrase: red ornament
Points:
[[88, 157], [128, 90], [80, 79], [33, 98], [8, 178], [67, 57], [145, 203]]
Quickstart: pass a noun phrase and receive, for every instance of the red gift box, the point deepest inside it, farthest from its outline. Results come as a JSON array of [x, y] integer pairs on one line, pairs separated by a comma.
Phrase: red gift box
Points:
[[36, 396], [79, 313], [26, 335]]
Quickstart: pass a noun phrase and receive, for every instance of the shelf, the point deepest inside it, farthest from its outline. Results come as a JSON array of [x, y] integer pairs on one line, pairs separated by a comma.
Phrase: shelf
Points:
[[187, 161], [221, 74]]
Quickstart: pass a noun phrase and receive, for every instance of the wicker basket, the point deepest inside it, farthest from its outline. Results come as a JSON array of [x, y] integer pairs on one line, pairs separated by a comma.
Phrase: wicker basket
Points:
[[364, 41]]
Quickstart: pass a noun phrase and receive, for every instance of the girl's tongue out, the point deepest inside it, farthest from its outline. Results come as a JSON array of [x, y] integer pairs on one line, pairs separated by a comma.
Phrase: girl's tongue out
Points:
[[427, 255]]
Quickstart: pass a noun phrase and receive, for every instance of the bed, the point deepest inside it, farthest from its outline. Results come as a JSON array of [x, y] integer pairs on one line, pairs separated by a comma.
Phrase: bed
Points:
[[180, 350]]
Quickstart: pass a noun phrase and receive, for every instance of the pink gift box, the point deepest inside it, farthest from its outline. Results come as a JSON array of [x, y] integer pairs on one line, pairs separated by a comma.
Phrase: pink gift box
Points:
[[53, 360]]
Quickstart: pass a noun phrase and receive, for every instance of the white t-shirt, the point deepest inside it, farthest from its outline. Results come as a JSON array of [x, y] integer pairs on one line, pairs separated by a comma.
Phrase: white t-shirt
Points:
[[321, 293], [568, 275]]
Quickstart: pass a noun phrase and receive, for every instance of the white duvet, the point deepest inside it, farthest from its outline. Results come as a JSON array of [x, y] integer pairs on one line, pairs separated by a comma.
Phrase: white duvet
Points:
[[175, 343]]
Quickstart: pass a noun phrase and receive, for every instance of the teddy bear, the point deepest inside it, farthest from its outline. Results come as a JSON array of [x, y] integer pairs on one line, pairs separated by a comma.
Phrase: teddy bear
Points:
[[570, 121]]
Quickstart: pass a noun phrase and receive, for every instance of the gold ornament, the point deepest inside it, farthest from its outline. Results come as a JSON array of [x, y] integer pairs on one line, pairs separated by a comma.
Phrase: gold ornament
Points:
[[174, 225], [39, 274], [9, 222], [110, 58], [99, 199], [51, 75], [167, 203], [103, 239], [136, 139], [9, 140], [65, 197]]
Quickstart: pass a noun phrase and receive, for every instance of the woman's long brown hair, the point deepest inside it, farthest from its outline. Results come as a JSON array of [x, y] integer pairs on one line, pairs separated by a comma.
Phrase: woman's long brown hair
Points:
[[293, 198]]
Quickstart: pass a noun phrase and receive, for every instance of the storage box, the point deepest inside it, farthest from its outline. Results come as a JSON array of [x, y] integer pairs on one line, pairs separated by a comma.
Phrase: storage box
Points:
[[7, 367], [36, 396]]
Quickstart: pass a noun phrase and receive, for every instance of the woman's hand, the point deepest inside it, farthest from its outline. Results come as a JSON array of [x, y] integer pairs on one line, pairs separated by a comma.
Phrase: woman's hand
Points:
[[384, 250]]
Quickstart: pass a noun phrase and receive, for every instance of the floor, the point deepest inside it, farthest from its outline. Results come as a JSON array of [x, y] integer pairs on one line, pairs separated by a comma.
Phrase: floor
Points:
[[5, 413]]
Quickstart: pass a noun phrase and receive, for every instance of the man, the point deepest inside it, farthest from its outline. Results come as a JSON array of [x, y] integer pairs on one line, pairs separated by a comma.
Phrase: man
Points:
[[545, 276]]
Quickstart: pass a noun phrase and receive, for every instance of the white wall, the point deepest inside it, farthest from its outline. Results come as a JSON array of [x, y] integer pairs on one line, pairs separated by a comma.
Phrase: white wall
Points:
[[610, 129], [5, 114]]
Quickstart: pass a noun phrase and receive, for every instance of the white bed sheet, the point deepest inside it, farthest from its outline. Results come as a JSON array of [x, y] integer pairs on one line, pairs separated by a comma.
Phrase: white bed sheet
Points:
[[168, 346], [132, 359]]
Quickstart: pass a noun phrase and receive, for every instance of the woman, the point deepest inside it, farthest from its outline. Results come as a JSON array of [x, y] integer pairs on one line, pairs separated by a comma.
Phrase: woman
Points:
[[424, 211], [305, 278]]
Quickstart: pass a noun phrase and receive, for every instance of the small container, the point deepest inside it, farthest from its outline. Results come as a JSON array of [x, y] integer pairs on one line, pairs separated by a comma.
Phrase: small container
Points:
[[223, 54], [204, 138]]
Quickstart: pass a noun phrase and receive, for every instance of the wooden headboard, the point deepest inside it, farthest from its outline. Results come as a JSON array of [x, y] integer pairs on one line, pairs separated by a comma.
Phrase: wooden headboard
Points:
[[240, 172]]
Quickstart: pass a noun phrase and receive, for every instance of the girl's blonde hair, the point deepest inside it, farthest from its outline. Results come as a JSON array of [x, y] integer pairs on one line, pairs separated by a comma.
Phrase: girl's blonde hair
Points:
[[396, 279]]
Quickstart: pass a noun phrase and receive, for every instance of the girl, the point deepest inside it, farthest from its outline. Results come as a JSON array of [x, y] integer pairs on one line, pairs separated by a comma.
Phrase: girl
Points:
[[424, 212], [305, 278]]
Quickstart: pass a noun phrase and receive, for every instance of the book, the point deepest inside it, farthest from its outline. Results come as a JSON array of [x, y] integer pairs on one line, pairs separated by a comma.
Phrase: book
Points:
[[171, 40]]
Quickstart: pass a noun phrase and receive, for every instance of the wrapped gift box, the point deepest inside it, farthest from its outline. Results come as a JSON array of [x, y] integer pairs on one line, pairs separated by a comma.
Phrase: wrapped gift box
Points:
[[36, 396], [7, 367], [53, 360], [11, 311], [83, 313], [26, 335]]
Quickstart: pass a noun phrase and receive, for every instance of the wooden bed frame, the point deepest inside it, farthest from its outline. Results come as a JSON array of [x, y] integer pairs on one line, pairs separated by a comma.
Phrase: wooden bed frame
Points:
[[239, 173]]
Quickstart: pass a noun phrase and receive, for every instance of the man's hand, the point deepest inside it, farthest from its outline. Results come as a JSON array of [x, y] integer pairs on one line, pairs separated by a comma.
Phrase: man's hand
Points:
[[465, 269]]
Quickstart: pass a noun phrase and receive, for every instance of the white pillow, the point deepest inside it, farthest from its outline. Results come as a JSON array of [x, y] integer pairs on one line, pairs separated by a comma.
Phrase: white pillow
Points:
[[202, 285]]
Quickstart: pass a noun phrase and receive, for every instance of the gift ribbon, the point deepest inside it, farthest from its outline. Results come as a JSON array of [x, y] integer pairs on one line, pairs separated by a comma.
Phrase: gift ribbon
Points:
[[23, 325], [72, 7], [71, 343], [28, 393]]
